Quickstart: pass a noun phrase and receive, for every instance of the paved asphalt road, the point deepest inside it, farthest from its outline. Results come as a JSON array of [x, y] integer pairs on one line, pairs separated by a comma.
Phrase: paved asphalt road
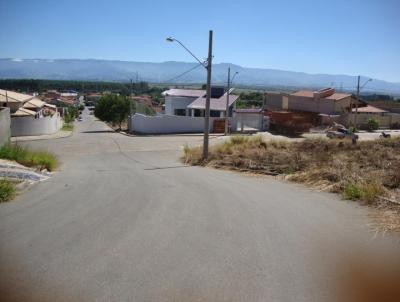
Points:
[[124, 220]]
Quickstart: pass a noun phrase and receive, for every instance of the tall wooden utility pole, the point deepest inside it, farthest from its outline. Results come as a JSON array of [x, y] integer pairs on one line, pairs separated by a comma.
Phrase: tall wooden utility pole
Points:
[[227, 102], [207, 109], [358, 96]]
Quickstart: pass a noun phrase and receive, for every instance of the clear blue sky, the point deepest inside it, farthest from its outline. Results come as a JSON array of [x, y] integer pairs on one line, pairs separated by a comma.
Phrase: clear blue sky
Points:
[[337, 36]]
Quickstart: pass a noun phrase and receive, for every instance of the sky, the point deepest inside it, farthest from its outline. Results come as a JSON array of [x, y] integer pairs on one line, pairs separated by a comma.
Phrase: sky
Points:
[[335, 37]]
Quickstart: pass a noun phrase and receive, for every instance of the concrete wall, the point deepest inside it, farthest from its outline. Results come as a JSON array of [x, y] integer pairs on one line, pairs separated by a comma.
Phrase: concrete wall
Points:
[[343, 105], [384, 120], [26, 126], [174, 102], [250, 121], [274, 101], [168, 124], [5, 129], [299, 103]]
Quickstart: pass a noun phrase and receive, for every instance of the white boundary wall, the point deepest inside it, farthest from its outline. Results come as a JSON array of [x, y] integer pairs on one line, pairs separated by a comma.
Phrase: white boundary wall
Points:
[[164, 124], [4, 125], [27, 126]]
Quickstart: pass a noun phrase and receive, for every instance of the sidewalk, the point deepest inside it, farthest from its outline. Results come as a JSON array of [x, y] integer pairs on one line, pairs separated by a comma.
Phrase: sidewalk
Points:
[[59, 134], [13, 170]]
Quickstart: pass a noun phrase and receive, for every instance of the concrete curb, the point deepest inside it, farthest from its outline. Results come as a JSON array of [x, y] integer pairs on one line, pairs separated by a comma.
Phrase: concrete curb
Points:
[[16, 140]]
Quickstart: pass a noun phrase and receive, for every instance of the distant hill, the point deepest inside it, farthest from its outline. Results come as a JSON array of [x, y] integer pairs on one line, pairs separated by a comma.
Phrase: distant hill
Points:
[[166, 72]]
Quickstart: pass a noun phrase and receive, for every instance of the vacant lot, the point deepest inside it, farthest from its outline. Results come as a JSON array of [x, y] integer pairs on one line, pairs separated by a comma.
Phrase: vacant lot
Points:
[[368, 171]]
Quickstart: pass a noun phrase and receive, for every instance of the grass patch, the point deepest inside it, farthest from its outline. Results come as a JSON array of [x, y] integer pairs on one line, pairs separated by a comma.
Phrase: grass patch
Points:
[[30, 158], [7, 190], [67, 127]]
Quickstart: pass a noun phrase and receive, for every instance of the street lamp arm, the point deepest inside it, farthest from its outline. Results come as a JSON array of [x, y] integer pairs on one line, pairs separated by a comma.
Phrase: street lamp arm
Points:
[[236, 73], [366, 82], [187, 49]]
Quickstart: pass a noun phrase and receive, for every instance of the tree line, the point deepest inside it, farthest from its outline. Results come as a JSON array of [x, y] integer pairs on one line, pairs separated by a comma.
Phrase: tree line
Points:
[[33, 85]]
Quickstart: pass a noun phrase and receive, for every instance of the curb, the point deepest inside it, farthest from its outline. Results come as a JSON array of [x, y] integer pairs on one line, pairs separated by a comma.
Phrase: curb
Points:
[[43, 139]]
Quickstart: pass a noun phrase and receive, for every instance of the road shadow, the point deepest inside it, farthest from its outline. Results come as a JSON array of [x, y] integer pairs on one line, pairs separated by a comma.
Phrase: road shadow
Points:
[[99, 131]]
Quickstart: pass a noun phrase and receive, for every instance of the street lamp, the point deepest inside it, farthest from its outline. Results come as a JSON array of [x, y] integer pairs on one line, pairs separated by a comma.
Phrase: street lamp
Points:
[[227, 99], [207, 108], [358, 96]]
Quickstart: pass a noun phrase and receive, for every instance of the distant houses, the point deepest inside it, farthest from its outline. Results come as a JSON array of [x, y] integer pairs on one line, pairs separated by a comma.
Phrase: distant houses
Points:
[[29, 114], [326, 106]]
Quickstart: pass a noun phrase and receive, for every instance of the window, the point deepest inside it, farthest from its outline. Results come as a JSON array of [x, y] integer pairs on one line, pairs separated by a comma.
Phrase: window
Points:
[[215, 113], [181, 112]]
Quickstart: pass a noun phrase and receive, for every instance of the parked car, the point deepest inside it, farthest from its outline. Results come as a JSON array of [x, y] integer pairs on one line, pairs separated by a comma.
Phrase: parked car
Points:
[[341, 133], [335, 134]]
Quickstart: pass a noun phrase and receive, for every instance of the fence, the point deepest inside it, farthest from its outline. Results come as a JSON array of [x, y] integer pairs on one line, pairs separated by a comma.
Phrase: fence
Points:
[[163, 124], [27, 126], [384, 121]]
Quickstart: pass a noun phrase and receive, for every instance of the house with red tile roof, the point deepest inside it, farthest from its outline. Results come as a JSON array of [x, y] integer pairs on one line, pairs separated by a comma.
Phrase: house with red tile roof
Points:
[[29, 114], [327, 105]]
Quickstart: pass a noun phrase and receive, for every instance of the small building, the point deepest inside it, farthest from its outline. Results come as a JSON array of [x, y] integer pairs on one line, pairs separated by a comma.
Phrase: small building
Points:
[[324, 101], [29, 114], [192, 102], [177, 100], [69, 93]]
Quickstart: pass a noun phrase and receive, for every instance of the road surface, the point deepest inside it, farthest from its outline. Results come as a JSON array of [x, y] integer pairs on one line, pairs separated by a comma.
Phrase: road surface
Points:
[[124, 220]]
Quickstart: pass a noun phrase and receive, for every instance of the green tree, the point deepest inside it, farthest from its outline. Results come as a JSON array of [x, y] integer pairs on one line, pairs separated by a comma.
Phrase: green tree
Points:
[[71, 113], [372, 124], [113, 109]]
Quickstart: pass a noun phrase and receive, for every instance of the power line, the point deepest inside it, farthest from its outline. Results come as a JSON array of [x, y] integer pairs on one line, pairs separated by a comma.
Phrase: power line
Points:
[[184, 73]]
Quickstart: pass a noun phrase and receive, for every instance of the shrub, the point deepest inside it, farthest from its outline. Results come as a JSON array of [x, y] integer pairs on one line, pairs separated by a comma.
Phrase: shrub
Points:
[[372, 124], [367, 191], [352, 191], [7, 190], [68, 126], [238, 140]]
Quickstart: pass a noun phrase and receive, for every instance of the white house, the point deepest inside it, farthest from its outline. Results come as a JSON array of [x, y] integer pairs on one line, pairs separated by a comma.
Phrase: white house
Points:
[[192, 102], [184, 112]]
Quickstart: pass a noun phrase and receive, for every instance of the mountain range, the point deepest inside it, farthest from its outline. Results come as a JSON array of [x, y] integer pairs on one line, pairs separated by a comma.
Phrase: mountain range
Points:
[[181, 73]]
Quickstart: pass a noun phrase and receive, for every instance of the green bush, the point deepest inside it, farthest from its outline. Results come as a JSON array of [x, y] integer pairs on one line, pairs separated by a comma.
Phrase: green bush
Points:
[[7, 190], [29, 158], [368, 191], [68, 127], [372, 124], [352, 191]]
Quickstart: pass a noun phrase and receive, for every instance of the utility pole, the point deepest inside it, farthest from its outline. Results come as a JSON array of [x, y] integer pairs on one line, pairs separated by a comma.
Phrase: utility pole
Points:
[[227, 103], [130, 106], [130, 98], [207, 109], [207, 66], [358, 96], [137, 82]]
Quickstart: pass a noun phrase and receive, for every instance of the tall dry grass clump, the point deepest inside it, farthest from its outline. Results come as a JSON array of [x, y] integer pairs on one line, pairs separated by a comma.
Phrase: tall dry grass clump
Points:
[[30, 158]]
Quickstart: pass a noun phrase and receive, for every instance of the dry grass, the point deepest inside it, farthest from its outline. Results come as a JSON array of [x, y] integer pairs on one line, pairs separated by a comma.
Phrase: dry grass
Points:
[[365, 172]]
